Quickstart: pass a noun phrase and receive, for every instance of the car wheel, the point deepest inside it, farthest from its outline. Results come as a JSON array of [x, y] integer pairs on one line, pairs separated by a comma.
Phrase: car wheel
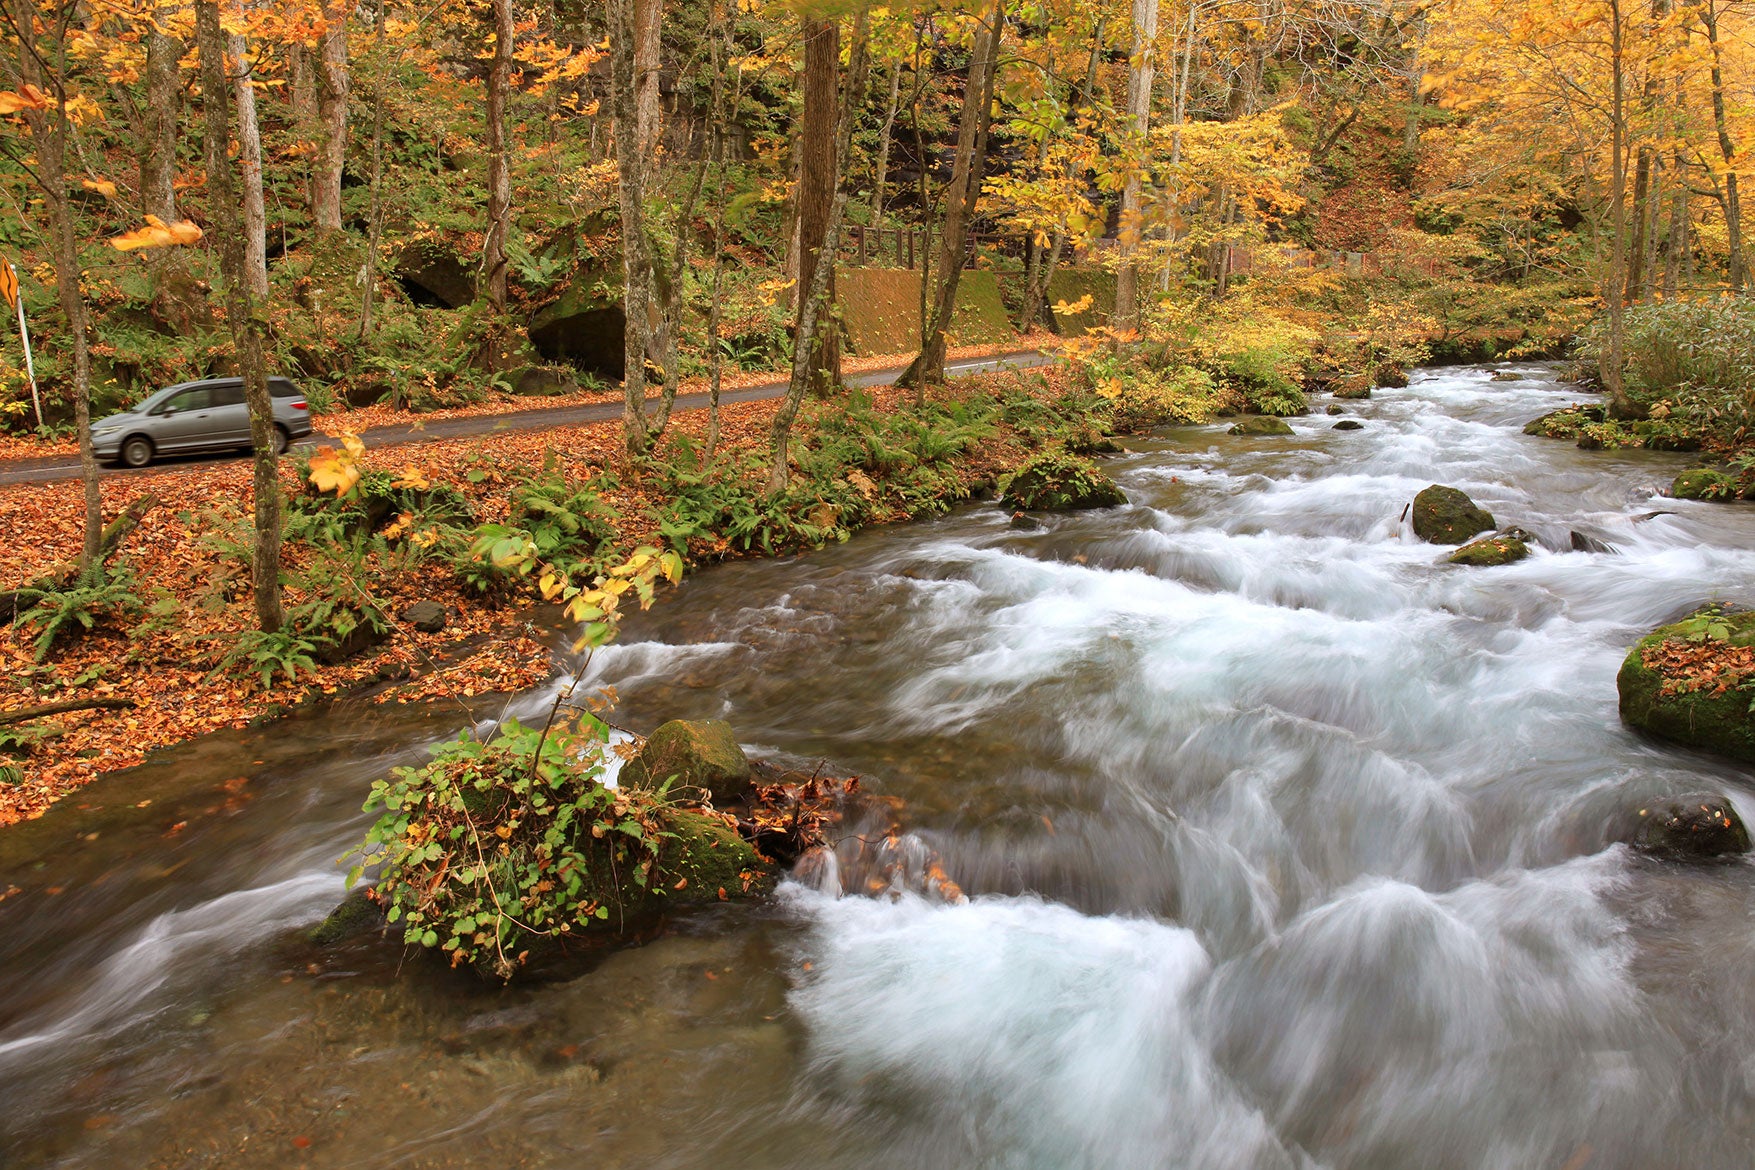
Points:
[[282, 440], [136, 451]]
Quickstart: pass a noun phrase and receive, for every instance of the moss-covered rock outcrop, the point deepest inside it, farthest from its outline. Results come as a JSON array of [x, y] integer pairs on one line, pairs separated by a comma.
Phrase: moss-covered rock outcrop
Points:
[[1260, 424], [1693, 683], [1708, 483], [1502, 548], [1056, 480], [696, 757], [1445, 515], [1697, 827]]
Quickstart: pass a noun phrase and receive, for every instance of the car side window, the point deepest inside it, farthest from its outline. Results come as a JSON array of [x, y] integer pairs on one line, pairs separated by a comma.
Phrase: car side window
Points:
[[228, 394], [194, 398]]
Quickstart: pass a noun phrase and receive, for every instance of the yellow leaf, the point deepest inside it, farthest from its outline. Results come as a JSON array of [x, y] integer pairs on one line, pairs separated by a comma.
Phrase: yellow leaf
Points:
[[157, 234], [102, 186]]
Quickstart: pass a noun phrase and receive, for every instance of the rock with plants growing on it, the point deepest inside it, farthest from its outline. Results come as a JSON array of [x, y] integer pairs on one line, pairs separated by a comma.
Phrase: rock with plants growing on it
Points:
[[1056, 480], [1693, 683], [1390, 377], [1502, 548], [1697, 827], [1446, 515], [1260, 424], [1351, 386], [1705, 483], [695, 757]]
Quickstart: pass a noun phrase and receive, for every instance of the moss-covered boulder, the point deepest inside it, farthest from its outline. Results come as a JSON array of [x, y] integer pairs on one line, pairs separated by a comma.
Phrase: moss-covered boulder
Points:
[[1565, 422], [1260, 424], [1445, 515], [701, 756], [1704, 483], [1698, 827], [1507, 376], [1348, 424], [1390, 376], [356, 916], [1499, 549], [1351, 386], [1058, 480], [584, 327], [1693, 683]]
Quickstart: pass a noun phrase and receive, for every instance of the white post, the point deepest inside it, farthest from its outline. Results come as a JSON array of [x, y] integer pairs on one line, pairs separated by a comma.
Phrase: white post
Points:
[[24, 336]]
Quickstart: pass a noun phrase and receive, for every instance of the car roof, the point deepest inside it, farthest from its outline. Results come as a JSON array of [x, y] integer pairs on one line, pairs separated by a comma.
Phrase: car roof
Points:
[[220, 381]]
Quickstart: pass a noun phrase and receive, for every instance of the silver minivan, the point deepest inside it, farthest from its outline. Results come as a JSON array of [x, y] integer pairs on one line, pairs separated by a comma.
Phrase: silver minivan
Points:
[[208, 415]]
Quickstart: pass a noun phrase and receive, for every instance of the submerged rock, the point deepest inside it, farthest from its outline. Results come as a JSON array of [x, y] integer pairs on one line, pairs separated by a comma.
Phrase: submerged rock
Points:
[[703, 755], [1707, 715], [1349, 424], [1502, 548], [1057, 480], [1445, 515], [1590, 544], [1698, 827], [1260, 424]]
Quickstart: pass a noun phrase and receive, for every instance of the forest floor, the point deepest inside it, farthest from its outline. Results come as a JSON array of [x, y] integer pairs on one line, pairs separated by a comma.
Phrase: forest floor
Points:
[[157, 653]]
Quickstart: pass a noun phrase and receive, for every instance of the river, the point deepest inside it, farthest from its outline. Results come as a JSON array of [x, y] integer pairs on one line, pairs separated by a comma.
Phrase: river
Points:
[[1287, 846]]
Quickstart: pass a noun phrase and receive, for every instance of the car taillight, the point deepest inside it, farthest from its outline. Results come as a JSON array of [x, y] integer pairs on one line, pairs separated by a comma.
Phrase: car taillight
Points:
[[300, 406]]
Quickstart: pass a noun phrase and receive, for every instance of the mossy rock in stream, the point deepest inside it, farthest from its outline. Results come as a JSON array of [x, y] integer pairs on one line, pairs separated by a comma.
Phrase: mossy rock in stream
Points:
[[1502, 548], [1689, 683], [1260, 424], [1445, 515], [1351, 386], [1057, 480], [357, 915], [1698, 827], [696, 757], [1704, 483]]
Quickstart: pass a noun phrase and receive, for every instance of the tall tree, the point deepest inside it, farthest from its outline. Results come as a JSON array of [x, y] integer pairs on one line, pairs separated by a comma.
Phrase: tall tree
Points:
[[499, 206], [164, 95], [243, 318], [639, 312], [818, 180], [332, 86], [255, 226], [1139, 109]]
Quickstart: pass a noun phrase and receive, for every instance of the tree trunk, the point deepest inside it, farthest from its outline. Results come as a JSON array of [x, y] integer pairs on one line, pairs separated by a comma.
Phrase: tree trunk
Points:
[[1733, 204], [1612, 366], [818, 178], [637, 306], [164, 92], [1676, 238], [722, 119], [243, 319], [973, 124], [375, 209], [648, 73], [250, 159], [332, 114], [499, 203], [43, 64], [1139, 110], [883, 150], [815, 297]]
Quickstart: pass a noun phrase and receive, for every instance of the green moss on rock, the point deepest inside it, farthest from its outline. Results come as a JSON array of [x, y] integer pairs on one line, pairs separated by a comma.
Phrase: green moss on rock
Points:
[[1698, 827], [1056, 480], [1499, 549], [357, 915], [1445, 515], [1721, 723], [1260, 424], [1704, 483], [702, 755]]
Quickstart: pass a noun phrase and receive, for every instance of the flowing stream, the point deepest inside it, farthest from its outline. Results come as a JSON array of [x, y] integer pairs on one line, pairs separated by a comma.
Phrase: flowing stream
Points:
[[1287, 846]]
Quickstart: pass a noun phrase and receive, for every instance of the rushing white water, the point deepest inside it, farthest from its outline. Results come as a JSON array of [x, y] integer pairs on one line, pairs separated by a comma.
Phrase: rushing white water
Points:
[[1286, 846]]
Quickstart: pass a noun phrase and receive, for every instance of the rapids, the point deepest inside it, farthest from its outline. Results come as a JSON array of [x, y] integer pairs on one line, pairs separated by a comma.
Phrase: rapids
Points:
[[1286, 846]]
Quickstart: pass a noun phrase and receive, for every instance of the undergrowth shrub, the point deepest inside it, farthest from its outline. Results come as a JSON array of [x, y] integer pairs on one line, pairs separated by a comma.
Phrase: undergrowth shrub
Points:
[[1698, 354]]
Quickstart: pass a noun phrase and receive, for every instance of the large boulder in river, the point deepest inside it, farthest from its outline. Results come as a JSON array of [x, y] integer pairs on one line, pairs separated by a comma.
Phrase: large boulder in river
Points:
[[1502, 548], [1698, 827], [1390, 376], [1444, 515], [1260, 424], [1351, 386], [703, 756], [1057, 480], [1704, 483], [1693, 682]]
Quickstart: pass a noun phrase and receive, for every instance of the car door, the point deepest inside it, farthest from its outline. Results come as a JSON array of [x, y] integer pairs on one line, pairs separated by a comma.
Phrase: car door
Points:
[[182, 421], [230, 417]]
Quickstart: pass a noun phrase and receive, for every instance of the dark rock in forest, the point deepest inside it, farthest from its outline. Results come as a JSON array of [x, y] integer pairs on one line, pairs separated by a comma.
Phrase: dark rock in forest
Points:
[[433, 275], [1444, 515], [585, 327], [540, 381], [1698, 827], [1707, 718], [700, 755], [1349, 424], [426, 616], [1260, 424]]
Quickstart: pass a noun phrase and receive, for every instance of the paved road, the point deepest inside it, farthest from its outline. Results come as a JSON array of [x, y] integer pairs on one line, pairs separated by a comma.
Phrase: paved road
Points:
[[48, 469]]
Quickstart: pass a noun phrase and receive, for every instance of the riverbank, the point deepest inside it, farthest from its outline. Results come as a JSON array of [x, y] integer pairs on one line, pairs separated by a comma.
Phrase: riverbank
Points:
[[393, 593]]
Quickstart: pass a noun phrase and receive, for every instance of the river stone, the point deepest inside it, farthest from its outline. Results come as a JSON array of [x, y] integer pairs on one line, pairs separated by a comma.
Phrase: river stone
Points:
[[1056, 480], [1351, 386], [1444, 515], [1507, 376], [1349, 424], [700, 755], [1391, 377], [1697, 827], [1260, 424], [357, 915], [1701, 719], [426, 616], [1336, 408], [1704, 483], [1589, 544], [1502, 548]]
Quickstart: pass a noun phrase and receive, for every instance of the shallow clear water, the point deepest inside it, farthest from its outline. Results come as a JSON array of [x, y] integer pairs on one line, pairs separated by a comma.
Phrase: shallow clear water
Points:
[[1287, 845]]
